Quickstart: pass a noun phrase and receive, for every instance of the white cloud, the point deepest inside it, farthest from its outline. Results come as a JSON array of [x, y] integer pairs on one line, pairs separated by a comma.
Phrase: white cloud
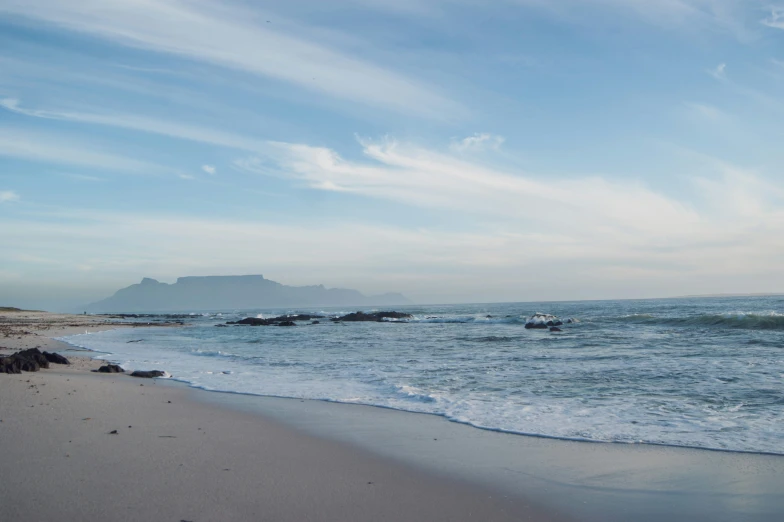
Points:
[[209, 169], [776, 18], [688, 15], [52, 148], [510, 259], [142, 124], [610, 215], [80, 177], [720, 72], [235, 38], [705, 111], [478, 142], [8, 196], [185, 176]]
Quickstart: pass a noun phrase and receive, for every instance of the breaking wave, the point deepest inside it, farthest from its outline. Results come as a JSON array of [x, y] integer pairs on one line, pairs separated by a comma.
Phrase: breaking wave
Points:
[[769, 320]]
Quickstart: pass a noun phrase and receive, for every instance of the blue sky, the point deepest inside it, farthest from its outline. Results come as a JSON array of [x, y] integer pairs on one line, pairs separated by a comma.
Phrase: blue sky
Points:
[[453, 150]]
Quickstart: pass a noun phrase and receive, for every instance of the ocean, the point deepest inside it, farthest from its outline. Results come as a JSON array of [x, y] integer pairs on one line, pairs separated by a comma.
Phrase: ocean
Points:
[[696, 372]]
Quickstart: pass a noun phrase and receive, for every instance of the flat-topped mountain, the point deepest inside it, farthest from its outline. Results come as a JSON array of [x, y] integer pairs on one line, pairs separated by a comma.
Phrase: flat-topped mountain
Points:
[[232, 292]]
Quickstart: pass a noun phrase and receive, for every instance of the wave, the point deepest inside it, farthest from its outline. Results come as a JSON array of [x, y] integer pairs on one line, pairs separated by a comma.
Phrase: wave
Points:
[[501, 414], [769, 320], [468, 319], [487, 339]]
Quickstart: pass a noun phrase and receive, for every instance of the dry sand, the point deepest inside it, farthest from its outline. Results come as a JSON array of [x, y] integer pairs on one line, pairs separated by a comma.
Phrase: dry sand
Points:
[[175, 458], [31, 329]]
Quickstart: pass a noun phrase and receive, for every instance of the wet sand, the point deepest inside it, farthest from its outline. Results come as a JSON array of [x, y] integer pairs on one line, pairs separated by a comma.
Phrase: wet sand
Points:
[[174, 457]]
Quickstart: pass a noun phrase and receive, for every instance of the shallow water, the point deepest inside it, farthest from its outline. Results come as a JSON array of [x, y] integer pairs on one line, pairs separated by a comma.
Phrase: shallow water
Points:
[[705, 372]]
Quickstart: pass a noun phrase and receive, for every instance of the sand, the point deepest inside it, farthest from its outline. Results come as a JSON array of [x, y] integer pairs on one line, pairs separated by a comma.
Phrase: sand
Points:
[[31, 329], [176, 458]]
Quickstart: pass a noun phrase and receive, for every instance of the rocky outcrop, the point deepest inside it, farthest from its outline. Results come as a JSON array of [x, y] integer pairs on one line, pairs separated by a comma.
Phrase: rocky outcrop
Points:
[[30, 360], [290, 320], [14, 364], [251, 321], [372, 317], [148, 374], [283, 320], [110, 368], [543, 321], [55, 358], [34, 354]]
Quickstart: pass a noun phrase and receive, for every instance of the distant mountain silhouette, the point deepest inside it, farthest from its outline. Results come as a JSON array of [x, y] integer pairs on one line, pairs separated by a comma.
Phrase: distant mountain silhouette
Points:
[[232, 292]]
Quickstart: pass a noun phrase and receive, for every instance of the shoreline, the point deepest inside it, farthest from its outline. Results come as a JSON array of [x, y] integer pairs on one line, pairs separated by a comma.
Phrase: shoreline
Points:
[[109, 447], [570, 480], [444, 416], [24, 329]]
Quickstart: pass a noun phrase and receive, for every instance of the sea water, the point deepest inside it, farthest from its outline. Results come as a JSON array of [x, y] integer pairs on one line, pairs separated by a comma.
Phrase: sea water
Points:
[[702, 372]]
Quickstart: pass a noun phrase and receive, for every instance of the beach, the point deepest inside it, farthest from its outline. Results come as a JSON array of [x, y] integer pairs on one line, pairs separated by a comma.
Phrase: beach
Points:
[[185, 454], [176, 458]]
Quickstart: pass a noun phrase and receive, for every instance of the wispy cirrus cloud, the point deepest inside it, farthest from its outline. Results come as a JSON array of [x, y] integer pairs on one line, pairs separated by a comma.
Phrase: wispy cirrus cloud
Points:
[[7, 196], [142, 124], [719, 72], [580, 209], [477, 142], [230, 36], [709, 15], [209, 169], [775, 19], [563, 230], [52, 148], [708, 112]]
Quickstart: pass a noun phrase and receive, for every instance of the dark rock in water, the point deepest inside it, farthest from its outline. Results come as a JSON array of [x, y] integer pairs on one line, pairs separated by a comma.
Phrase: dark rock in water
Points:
[[55, 358], [148, 374], [136, 341], [536, 326], [316, 322], [278, 321], [299, 317], [542, 321], [221, 326], [287, 323], [555, 329], [372, 317], [110, 368], [251, 321]]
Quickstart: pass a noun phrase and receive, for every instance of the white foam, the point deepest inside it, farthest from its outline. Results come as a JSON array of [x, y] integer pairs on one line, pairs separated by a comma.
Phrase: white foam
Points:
[[575, 387]]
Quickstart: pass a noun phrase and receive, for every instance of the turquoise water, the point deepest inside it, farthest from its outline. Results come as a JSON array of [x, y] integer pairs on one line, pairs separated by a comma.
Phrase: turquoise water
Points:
[[705, 372]]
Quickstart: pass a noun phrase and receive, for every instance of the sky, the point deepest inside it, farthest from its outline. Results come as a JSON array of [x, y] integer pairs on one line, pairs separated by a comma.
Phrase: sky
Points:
[[451, 150]]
